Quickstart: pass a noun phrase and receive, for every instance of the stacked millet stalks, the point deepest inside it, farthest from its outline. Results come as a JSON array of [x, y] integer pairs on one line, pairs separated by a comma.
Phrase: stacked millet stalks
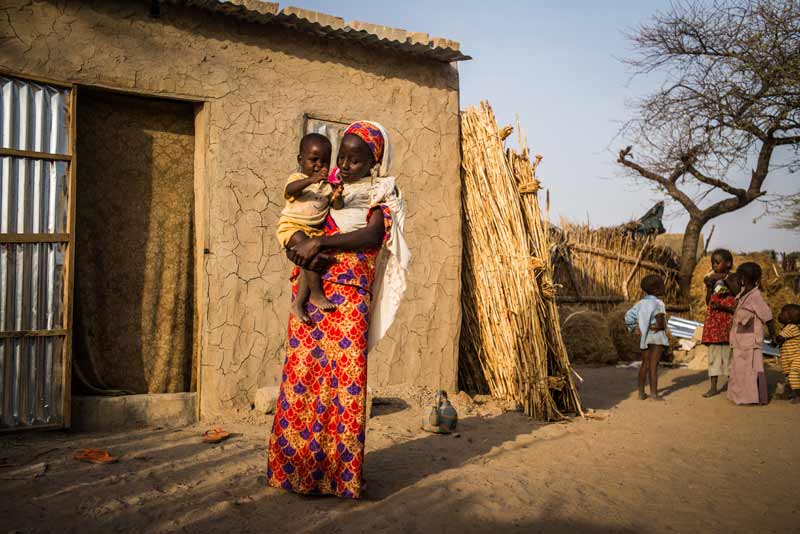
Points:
[[511, 344]]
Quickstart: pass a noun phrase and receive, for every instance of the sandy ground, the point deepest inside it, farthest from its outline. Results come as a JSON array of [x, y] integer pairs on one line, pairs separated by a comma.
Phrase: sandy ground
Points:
[[685, 465]]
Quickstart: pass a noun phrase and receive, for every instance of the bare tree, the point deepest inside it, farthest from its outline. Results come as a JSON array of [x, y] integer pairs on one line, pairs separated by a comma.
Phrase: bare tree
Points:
[[790, 214], [730, 100]]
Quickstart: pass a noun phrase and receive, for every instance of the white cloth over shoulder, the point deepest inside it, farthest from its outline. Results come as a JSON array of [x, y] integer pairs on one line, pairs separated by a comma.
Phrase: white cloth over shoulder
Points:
[[394, 258]]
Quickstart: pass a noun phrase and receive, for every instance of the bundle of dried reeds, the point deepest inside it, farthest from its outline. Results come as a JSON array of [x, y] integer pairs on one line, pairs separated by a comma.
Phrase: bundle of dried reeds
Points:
[[601, 267], [511, 340]]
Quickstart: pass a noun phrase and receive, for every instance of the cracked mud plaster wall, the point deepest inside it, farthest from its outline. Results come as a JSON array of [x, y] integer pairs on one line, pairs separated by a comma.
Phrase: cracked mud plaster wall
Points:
[[257, 82]]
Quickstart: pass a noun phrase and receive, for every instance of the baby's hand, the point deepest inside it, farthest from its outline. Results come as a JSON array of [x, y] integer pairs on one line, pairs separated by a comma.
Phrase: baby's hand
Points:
[[338, 191], [320, 176]]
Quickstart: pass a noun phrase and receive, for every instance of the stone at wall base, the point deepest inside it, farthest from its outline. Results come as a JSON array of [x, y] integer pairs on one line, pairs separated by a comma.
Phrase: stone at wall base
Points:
[[266, 399]]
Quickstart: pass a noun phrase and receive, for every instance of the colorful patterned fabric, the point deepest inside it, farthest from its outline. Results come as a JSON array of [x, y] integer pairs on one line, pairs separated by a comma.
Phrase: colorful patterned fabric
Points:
[[717, 328], [317, 440], [790, 355], [371, 135]]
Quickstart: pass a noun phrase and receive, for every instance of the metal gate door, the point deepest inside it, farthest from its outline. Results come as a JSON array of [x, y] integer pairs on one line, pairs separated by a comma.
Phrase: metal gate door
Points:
[[37, 177]]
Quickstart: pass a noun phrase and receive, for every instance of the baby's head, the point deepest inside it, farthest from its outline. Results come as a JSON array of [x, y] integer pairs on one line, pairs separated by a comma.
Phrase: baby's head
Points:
[[790, 314], [722, 261], [749, 274], [652, 284], [314, 154]]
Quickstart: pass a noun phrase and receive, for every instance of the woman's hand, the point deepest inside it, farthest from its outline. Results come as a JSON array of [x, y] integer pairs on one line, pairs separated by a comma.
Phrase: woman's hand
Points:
[[304, 252]]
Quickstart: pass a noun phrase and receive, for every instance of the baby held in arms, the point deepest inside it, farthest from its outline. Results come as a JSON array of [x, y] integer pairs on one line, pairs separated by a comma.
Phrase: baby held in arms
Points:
[[309, 193]]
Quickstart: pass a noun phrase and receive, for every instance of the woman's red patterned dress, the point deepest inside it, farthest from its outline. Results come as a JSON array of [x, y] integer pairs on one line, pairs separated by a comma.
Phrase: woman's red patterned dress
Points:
[[317, 441]]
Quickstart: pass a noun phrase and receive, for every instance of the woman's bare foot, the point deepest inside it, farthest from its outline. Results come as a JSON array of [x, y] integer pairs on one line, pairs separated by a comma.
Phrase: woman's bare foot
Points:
[[321, 302], [299, 312], [642, 395], [710, 393], [656, 397]]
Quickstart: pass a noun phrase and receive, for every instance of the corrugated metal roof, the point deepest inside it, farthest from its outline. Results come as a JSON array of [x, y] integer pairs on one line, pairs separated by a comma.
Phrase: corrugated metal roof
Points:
[[313, 22], [685, 329]]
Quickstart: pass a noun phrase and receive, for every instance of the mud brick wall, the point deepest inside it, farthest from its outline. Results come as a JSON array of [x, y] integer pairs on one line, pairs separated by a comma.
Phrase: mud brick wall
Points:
[[257, 81]]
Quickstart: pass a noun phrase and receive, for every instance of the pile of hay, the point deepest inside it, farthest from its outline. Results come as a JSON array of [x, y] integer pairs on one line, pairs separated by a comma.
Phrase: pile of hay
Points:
[[775, 289], [625, 343], [586, 336]]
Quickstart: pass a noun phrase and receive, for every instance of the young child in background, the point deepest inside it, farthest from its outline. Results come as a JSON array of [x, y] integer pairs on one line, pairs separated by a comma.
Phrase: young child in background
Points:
[[721, 303], [650, 316], [748, 384], [309, 196], [789, 340]]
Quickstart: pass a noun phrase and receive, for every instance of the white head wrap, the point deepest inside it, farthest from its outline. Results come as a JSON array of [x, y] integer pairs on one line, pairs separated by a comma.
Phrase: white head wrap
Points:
[[395, 256]]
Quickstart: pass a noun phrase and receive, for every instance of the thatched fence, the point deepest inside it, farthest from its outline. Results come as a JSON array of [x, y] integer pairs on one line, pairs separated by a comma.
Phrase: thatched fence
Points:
[[603, 267]]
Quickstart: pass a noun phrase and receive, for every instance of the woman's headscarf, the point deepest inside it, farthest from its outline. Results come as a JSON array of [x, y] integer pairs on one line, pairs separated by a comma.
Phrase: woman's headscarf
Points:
[[359, 198], [371, 134]]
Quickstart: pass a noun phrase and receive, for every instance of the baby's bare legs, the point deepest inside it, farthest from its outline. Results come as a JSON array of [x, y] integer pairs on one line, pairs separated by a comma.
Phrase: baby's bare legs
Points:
[[298, 308], [309, 288]]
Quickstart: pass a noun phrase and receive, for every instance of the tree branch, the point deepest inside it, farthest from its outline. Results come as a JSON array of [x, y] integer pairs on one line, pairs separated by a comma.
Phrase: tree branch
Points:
[[668, 184], [714, 182]]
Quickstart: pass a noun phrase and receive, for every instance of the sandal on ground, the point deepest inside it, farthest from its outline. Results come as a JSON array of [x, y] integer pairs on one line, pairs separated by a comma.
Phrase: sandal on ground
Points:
[[94, 456], [216, 435], [708, 394]]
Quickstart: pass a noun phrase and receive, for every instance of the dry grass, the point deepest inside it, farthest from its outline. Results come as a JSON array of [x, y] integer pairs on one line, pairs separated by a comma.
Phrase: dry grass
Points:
[[511, 342], [773, 283], [625, 343], [586, 335], [601, 267]]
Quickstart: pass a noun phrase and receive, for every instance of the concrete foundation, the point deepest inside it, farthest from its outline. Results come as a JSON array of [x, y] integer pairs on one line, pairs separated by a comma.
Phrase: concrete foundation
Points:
[[106, 413]]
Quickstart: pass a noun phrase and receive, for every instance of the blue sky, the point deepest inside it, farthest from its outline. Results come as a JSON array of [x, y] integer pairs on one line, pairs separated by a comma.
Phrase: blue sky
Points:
[[555, 65]]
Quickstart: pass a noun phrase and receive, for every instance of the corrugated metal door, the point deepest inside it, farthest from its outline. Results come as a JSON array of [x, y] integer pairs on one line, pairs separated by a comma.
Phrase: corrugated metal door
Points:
[[37, 174]]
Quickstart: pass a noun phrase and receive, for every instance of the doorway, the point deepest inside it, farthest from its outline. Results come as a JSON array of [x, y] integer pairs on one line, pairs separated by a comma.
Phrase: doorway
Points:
[[134, 245]]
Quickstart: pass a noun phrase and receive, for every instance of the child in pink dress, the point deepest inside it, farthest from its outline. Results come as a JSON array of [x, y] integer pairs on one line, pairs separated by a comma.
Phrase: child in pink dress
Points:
[[748, 384]]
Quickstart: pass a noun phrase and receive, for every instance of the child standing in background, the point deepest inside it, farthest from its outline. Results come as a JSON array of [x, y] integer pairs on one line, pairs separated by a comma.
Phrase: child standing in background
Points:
[[721, 304], [789, 340], [650, 315], [748, 384]]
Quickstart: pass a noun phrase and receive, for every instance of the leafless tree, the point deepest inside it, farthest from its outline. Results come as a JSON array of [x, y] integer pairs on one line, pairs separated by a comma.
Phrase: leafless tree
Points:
[[790, 214], [731, 99]]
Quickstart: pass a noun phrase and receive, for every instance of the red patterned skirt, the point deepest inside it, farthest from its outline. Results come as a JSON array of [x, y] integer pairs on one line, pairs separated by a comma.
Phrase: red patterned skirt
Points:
[[317, 440]]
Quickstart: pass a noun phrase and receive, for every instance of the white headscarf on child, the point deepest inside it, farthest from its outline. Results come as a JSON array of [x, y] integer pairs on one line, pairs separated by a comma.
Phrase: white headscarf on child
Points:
[[394, 258]]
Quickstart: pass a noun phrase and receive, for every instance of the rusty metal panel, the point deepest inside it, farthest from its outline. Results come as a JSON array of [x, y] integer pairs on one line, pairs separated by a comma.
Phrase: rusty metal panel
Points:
[[33, 200]]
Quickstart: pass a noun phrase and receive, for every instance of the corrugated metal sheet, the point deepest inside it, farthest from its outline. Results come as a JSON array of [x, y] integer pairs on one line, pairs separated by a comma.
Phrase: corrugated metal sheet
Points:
[[682, 328], [418, 44], [33, 199], [685, 329], [34, 116]]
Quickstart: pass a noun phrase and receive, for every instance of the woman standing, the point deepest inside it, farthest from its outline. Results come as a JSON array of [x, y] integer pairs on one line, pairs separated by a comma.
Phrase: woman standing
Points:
[[317, 440]]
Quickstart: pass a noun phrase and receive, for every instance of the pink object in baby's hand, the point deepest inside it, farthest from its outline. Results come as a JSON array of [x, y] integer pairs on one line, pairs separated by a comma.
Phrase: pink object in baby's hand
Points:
[[333, 177]]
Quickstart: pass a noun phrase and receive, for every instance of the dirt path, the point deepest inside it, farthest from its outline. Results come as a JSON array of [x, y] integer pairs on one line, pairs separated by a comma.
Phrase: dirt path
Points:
[[685, 465]]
